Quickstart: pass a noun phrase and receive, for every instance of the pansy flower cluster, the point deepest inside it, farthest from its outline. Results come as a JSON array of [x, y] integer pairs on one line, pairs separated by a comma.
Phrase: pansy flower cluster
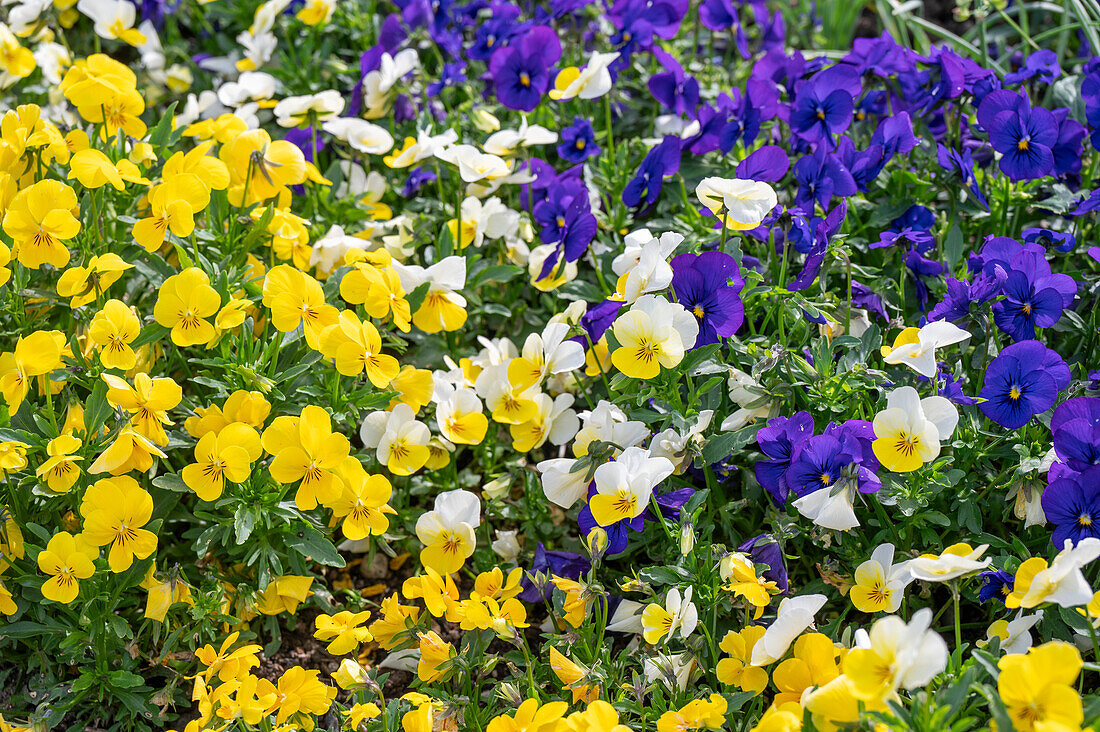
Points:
[[560, 366]]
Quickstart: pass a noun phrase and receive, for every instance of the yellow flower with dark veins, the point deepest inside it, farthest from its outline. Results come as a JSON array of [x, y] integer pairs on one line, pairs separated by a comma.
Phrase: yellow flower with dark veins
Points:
[[363, 502], [173, 205], [94, 170], [114, 511], [131, 450], [67, 559], [163, 594], [183, 304], [60, 470], [265, 167], [735, 670], [1037, 688], [226, 664], [356, 346], [148, 400], [296, 299], [113, 329], [84, 284], [225, 455], [307, 450], [35, 355], [39, 220]]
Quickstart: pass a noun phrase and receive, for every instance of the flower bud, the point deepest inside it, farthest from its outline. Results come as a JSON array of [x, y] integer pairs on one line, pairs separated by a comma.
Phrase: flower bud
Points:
[[596, 542], [350, 674], [498, 488], [484, 120], [687, 539]]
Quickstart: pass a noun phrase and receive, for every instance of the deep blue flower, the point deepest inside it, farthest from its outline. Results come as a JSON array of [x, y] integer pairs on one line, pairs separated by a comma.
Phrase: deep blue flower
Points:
[[452, 74], [921, 268], [1022, 381], [824, 231], [1060, 240], [718, 15], [675, 90], [873, 104], [823, 105], [768, 164], [764, 549], [952, 389], [745, 112], [778, 440], [1022, 134], [962, 165], [903, 237], [1041, 65], [417, 178], [827, 461], [580, 229], [1075, 426], [155, 10], [709, 286], [669, 504], [663, 160], [599, 317], [881, 56], [1090, 92], [662, 17], [1072, 504], [496, 32], [550, 212], [1067, 150], [521, 72], [866, 298], [821, 176], [996, 584], [578, 141], [1034, 297]]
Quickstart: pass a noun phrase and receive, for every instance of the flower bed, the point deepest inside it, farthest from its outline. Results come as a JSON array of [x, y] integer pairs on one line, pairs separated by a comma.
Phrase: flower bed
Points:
[[442, 366]]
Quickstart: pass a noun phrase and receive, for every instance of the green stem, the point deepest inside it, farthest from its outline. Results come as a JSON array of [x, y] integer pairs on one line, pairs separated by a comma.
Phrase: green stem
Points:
[[607, 122]]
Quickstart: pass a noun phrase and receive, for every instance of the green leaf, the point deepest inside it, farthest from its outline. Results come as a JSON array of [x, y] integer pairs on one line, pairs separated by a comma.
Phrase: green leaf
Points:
[[663, 575], [244, 520], [258, 229], [721, 445], [119, 626], [171, 482], [158, 136], [416, 297], [953, 246], [495, 273], [97, 408], [150, 334], [312, 544], [27, 629]]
